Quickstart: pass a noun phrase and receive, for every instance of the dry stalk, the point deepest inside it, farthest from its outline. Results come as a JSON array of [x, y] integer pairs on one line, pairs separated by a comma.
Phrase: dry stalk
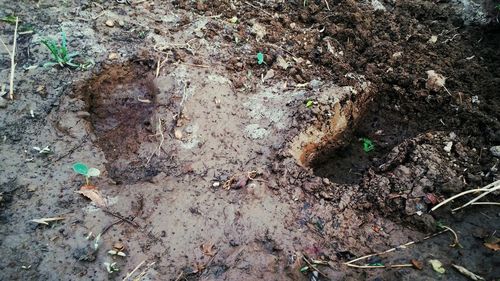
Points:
[[12, 60], [350, 263], [487, 189], [159, 132]]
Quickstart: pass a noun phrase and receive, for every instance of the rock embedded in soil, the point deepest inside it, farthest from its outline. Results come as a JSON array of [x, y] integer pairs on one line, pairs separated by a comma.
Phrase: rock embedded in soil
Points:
[[495, 151], [3, 103]]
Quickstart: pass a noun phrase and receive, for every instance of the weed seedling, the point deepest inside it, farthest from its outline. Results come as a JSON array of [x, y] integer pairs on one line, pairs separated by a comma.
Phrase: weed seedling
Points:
[[367, 145], [87, 172], [309, 103], [260, 58], [60, 54]]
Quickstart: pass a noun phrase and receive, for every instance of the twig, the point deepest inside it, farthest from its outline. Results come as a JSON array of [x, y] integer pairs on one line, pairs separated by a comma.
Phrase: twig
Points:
[[486, 203], [327, 5], [262, 10], [455, 236], [162, 139], [381, 266], [313, 266], [486, 188], [395, 248], [143, 273], [495, 186], [111, 225], [12, 60], [135, 269], [122, 218]]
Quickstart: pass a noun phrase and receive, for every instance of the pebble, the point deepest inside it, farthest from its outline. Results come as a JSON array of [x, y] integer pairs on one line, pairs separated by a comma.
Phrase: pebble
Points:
[[326, 181], [216, 184], [3, 103], [448, 146], [495, 150], [113, 56], [178, 134], [110, 23]]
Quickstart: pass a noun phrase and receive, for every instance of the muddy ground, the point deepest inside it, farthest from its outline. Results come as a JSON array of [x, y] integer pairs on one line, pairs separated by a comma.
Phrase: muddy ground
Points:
[[218, 167]]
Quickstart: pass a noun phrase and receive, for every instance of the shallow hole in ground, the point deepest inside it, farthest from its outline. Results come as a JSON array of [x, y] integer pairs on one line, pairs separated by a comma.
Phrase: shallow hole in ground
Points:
[[385, 124], [121, 101]]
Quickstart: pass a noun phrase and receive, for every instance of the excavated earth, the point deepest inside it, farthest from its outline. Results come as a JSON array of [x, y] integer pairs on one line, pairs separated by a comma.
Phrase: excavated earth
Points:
[[216, 166]]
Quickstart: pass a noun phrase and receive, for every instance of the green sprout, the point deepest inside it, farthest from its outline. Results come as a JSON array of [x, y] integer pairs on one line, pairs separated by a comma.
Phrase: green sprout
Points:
[[260, 58], [111, 267], [87, 172], [60, 54], [309, 103], [367, 145]]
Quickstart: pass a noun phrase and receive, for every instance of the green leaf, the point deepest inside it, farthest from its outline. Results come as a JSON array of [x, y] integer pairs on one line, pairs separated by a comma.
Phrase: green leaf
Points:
[[304, 269], [9, 19], [309, 104], [368, 145], [93, 172], [260, 58], [376, 264], [81, 169], [437, 266]]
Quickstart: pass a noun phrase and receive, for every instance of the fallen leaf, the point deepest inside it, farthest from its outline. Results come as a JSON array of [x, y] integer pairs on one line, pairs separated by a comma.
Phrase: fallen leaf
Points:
[[47, 220], [92, 193], [208, 249], [467, 273], [435, 81], [417, 264], [492, 243], [437, 266]]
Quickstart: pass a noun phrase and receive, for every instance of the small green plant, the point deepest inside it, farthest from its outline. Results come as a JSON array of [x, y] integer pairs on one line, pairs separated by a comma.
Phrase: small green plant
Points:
[[87, 172], [60, 54], [260, 58], [309, 103], [367, 145]]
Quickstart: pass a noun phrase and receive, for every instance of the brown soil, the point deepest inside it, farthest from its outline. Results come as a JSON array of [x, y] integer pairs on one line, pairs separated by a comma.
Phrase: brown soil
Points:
[[216, 167]]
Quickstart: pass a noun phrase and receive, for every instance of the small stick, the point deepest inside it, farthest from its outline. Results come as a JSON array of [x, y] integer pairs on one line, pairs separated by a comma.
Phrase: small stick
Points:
[[312, 266], [122, 218], [455, 236], [486, 203], [135, 269], [327, 5], [262, 10], [459, 195], [381, 266], [495, 187], [13, 62], [395, 248]]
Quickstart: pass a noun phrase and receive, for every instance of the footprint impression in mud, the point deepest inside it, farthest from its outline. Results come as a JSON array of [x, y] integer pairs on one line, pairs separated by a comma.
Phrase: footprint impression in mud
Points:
[[121, 102]]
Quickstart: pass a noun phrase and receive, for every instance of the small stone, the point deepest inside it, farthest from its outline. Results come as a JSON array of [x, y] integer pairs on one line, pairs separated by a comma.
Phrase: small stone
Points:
[[326, 181], [495, 151], [397, 55], [121, 23], [315, 84], [281, 62], [178, 134], [3, 103], [216, 184], [113, 56], [433, 39], [269, 74], [448, 146], [82, 114], [110, 23]]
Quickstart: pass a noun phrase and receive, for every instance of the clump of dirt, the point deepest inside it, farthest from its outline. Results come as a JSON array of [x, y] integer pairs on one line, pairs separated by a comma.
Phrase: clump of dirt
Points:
[[121, 101]]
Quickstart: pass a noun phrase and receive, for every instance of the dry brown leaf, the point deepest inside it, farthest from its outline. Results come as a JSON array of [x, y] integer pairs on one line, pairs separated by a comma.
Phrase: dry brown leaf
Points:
[[492, 246], [47, 220], [435, 81], [208, 249], [417, 264], [92, 193]]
